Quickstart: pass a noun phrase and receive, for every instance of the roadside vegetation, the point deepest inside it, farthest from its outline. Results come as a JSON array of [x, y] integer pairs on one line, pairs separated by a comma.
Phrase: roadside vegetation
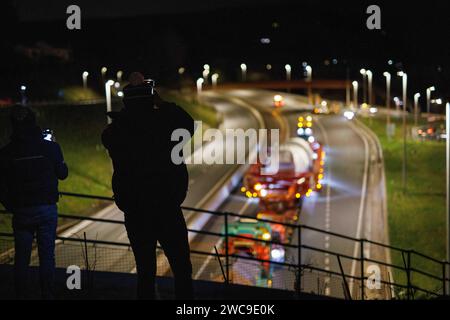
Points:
[[417, 216]]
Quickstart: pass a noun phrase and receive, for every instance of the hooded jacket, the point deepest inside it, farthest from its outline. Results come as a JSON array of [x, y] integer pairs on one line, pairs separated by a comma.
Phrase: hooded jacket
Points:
[[140, 146], [29, 169]]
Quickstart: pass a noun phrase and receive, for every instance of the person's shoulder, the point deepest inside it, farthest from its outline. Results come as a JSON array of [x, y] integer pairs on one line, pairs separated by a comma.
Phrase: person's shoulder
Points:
[[50, 145]]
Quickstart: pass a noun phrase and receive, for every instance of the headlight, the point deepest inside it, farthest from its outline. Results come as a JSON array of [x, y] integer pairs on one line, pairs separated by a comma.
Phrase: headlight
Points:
[[277, 98], [308, 131], [349, 115], [266, 236], [300, 131], [277, 254]]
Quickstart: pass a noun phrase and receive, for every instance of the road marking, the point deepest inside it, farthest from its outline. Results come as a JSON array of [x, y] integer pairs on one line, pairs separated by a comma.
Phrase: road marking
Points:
[[362, 202], [327, 206]]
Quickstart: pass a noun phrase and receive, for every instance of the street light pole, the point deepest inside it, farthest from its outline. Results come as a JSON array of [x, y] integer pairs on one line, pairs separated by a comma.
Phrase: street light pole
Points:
[[388, 99], [288, 75], [404, 82], [84, 76], [364, 85], [199, 85], [432, 88], [416, 108], [355, 94], [103, 72], [308, 69], [244, 71], [108, 85], [23, 94], [119, 75], [214, 78], [369, 79]]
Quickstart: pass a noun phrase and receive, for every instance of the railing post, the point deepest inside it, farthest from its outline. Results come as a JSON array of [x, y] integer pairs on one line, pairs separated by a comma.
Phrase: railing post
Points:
[[361, 249], [444, 276], [299, 262], [227, 280], [408, 274]]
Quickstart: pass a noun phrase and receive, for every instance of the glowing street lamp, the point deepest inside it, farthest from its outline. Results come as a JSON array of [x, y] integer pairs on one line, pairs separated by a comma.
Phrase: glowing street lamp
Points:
[[205, 74], [119, 75], [23, 95], [364, 74], [308, 69], [288, 69], [355, 94], [432, 88], [214, 78], [108, 85], [369, 79], [288, 72], [244, 71], [199, 85], [85, 76], [416, 107], [388, 97]]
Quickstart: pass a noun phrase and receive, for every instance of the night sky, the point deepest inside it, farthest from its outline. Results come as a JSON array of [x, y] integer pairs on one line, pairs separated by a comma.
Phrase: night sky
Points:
[[160, 35]]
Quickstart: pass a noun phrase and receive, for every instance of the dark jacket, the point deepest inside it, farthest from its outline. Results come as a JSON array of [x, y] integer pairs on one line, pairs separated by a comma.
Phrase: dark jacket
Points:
[[29, 170], [139, 144]]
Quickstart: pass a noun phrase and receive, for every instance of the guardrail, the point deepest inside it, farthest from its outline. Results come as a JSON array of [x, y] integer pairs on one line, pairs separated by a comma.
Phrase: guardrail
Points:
[[407, 268]]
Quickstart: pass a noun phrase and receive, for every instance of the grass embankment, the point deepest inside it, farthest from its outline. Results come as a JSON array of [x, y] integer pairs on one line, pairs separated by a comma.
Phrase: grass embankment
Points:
[[78, 130], [417, 217]]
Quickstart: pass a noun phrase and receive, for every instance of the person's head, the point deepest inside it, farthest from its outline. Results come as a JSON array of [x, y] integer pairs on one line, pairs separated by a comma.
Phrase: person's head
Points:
[[136, 79], [138, 94], [22, 117]]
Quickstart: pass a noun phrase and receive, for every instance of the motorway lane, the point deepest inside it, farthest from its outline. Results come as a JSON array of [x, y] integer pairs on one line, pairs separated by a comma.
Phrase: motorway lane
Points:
[[342, 206]]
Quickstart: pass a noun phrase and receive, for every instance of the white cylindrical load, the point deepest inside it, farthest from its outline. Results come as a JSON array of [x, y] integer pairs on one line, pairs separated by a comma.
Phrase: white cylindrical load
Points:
[[296, 156]]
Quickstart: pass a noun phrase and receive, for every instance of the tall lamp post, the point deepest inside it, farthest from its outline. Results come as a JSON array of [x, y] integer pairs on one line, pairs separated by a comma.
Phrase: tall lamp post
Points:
[[85, 76], [214, 78], [103, 72], [108, 85], [432, 88], [364, 85], [404, 85], [199, 85], [288, 69], [119, 75], [388, 98], [369, 80], [355, 94], [308, 69], [416, 108], [23, 94], [244, 71]]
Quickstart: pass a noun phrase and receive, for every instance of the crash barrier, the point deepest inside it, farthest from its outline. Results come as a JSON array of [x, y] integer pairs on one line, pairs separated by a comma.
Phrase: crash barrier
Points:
[[305, 268]]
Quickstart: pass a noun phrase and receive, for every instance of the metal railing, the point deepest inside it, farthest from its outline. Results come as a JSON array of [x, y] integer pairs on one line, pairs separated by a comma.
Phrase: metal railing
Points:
[[409, 290]]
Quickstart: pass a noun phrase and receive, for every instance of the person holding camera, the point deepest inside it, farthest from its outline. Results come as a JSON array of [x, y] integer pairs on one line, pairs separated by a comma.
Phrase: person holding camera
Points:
[[148, 186], [30, 167]]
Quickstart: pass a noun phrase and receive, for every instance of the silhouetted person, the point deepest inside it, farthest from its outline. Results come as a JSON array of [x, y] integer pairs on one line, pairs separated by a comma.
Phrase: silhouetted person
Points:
[[29, 170], [148, 187]]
